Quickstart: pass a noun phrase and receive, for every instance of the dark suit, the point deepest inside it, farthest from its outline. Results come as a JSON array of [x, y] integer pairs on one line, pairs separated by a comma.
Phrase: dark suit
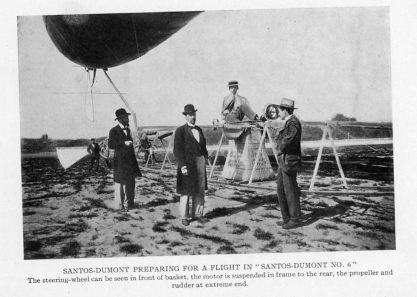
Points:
[[94, 151], [125, 165], [289, 160], [191, 154]]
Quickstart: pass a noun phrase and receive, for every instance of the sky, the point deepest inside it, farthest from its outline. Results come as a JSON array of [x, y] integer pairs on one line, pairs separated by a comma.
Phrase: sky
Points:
[[329, 60]]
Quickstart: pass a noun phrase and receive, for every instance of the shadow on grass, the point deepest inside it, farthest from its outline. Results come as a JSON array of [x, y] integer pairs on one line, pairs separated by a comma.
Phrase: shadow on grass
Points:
[[250, 203], [98, 203], [323, 211], [187, 233], [159, 227], [157, 202], [341, 212]]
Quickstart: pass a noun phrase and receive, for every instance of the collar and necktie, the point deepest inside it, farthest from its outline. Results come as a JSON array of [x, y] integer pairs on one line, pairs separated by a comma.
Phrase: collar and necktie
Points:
[[126, 130], [195, 132]]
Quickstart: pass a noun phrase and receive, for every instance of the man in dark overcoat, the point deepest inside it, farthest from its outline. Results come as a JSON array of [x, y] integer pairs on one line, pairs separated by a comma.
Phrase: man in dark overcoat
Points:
[[288, 142], [191, 152], [94, 151], [125, 165]]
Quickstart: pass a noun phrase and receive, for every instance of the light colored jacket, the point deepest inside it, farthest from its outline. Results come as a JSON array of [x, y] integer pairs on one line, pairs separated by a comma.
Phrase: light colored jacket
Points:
[[235, 109]]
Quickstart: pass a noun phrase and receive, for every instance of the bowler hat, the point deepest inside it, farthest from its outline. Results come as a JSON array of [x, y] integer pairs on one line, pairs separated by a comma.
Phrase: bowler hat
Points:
[[233, 83], [120, 113], [189, 108], [287, 103]]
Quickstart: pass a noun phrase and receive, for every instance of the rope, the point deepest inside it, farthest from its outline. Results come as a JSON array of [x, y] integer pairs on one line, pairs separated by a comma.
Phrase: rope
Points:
[[135, 123], [89, 92], [94, 78]]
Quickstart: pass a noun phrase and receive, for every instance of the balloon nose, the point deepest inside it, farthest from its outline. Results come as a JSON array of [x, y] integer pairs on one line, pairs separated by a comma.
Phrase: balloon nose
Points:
[[76, 19]]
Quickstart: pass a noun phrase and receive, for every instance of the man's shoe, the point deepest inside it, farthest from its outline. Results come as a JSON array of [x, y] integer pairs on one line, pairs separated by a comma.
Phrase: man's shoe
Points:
[[282, 223], [185, 222], [203, 220], [290, 225]]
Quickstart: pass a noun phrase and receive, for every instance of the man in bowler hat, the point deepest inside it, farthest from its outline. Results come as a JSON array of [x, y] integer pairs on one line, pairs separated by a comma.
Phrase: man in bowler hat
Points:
[[125, 165], [288, 142], [191, 152]]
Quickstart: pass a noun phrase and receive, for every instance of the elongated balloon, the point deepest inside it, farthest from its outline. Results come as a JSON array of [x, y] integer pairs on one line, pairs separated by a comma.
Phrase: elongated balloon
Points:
[[108, 40]]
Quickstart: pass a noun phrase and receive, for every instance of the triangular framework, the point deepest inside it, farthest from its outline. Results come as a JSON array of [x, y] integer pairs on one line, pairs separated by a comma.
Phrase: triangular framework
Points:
[[217, 154], [166, 149], [327, 131]]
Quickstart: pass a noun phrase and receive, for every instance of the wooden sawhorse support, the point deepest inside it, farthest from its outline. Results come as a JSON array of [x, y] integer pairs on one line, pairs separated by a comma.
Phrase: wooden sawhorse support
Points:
[[327, 130], [217, 154], [166, 149]]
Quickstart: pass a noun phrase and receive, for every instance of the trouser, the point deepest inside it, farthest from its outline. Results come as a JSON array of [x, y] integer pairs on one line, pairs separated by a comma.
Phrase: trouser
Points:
[[196, 210], [149, 155], [94, 160], [288, 194], [124, 194]]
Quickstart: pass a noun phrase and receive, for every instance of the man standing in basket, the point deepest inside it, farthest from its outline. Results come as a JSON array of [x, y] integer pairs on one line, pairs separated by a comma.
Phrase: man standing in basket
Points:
[[288, 143], [125, 165], [191, 152], [235, 107]]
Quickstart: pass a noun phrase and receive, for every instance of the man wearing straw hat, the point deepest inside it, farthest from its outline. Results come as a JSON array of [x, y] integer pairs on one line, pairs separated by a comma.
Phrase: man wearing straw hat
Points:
[[288, 142], [125, 165], [191, 152]]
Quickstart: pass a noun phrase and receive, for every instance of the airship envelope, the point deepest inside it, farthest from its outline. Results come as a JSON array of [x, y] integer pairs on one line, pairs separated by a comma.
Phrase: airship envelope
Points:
[[102, 41]]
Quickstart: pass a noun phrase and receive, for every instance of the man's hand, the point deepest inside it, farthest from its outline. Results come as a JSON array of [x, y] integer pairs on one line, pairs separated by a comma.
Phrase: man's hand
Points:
[[184, 170], [128, 142]]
